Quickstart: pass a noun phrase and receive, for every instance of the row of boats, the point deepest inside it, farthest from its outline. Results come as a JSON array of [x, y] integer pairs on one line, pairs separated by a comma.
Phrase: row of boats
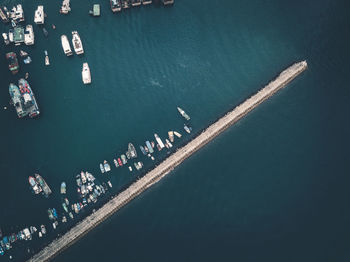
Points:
[[147, 149], [79, 50], [6, 242], [89, 190], [19, 35], [77, 44], [117, 5], [39, 185]]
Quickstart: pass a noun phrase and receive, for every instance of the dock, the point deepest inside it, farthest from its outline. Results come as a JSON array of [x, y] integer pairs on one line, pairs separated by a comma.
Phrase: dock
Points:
[[167, 165]]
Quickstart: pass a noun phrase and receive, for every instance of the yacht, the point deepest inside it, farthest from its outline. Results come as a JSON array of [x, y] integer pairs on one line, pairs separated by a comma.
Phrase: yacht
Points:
[[39, 17], [86, 75], [29, 35], [77, 45], [66, 46], [65, 8]]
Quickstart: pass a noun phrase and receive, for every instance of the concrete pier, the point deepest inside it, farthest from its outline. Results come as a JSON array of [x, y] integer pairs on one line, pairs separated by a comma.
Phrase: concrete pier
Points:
[[168, 164]]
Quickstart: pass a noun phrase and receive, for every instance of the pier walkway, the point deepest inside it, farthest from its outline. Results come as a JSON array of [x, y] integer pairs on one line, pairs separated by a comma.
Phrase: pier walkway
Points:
[[156, 174]]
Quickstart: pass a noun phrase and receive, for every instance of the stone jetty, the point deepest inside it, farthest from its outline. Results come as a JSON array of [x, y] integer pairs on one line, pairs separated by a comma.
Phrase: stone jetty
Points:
[[156, 174]]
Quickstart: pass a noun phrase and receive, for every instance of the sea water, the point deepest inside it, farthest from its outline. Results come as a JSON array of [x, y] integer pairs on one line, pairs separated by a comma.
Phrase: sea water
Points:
[[274, 187]]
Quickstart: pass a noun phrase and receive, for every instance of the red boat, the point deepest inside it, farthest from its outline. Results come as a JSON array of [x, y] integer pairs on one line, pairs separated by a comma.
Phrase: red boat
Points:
[[120, 162]]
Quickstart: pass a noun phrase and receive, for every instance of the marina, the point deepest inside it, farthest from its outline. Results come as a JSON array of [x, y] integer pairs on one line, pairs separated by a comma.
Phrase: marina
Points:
[[171, 162]]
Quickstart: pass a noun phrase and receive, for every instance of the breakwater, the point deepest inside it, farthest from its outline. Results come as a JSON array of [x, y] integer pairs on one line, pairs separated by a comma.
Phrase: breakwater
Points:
[[169, 164]]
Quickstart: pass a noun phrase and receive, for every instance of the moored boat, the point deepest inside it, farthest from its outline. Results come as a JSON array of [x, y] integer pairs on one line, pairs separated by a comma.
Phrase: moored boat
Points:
[[45, 32], [6, 38], [115, 162], [135, 2], [64, 205], [143, 150], [132, 150], [86, 75], [149, 147], [66, 46], [65, 8], [43, 229], [102, 168], [77, 44], [123, 159], [168, 143], [171, 136], [13, 62], [187, 129], [177, 134], [17, 100], [183, 113], [28, 101], [159, 141], [63, 188], [46, 189], [47, 59], [34, 184], [146, 2], [106, 166], [116, 5], [126, 4], [39, 17], [3, 16], [95, 10], [29, 35]]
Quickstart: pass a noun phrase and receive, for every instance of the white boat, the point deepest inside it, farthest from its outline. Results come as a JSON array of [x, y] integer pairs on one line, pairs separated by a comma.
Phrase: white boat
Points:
[[77, 45], [29, 35], [47, 60], [183, 113], [168, 143], [146, 2], [65, 8], [187, 129], [159, 141], [6, 38], [11, 35], [39, 17], [177, 134], [16, 13], [171, 136], [66, 46], [86, 75]]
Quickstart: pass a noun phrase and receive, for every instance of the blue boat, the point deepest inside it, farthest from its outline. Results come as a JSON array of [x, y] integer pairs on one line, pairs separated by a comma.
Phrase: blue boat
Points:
[[54, 213], [143, 150], [6, 243], [150, 149]]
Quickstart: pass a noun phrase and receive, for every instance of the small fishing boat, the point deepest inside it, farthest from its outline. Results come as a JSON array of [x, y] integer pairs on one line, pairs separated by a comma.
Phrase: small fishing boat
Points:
[[187, 129], [46, 33], [63, 188], [47, 60]]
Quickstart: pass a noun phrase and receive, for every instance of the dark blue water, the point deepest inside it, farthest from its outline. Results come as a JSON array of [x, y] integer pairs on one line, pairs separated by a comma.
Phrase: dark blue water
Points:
[[275, 187]]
